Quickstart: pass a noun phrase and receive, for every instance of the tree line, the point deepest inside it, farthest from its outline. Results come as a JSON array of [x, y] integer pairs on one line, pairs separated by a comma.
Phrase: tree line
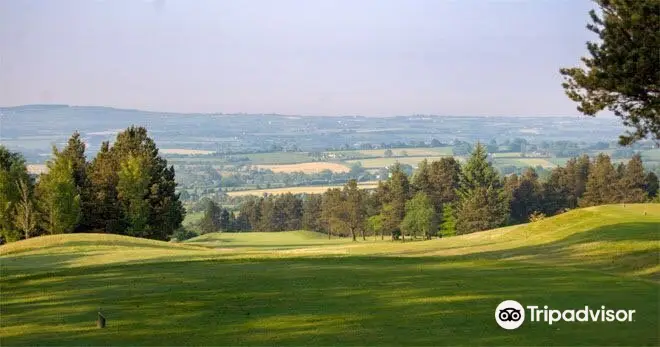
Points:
[[443, 198], [126, 189]]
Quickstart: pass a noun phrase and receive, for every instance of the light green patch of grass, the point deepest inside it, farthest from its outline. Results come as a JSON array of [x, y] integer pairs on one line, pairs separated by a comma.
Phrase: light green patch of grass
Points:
[[266, 289]]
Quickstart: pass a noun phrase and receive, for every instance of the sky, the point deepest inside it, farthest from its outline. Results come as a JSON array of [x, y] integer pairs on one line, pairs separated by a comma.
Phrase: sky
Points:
[[320, 57]]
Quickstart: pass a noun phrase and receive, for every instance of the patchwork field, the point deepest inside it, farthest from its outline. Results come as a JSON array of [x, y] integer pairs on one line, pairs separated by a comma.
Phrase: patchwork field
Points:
[[313, 167], [524, 162], [299, 190], [184, 151], [298, 288], [377, 163]]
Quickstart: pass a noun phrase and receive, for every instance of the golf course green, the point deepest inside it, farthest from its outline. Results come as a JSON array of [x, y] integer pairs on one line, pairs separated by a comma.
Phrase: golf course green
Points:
[[299, 288]]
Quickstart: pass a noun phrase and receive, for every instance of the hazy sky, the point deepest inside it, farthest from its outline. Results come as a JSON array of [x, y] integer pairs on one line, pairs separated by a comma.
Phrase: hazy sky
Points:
[[312, 57]]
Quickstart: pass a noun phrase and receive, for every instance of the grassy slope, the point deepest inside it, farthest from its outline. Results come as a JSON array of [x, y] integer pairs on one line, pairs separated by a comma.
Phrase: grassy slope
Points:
[[292, 288]]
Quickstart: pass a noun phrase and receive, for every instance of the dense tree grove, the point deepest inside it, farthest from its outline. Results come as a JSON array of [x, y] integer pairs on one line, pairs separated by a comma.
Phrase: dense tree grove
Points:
[[126, 189], [446, 198]]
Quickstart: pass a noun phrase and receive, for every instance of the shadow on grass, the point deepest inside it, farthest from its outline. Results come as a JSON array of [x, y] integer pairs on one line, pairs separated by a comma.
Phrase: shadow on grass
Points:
[[355, 300], [304, 301]]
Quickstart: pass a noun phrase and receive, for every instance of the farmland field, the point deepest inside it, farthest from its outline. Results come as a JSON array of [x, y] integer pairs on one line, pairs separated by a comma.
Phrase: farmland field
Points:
[[377, 163], [184, 151], [524, 162], [312, 167], [298, 288], [412, 152], [299, 190]]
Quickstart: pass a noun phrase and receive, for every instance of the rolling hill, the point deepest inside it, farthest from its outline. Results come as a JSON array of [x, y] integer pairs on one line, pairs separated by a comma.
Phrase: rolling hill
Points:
[[298, 288]]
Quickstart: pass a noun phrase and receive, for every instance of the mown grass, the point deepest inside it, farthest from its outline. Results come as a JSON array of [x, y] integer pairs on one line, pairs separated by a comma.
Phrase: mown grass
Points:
[[296, 288]]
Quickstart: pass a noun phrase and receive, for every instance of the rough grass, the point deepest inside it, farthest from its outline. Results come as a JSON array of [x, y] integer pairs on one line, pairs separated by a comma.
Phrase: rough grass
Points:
[[296, 288]]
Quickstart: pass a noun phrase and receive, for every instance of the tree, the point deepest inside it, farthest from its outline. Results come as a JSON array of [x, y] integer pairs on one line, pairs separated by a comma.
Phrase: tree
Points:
[[483, 204], [12, 171], [556, 190], [420, 216], [601, 184], [26, 214], [59, 196], [105, 212], [622, 74], [210, 222], [75, 151], [526, 197], [484, 208], [312, 213], [444, 177], [421, 179], [651, 185], [224, 223], [375, 225], [632, 182], [448, 226], [399, 192], [355, 209], [388, 153], [132, 191], [165, 209], [332, 211]]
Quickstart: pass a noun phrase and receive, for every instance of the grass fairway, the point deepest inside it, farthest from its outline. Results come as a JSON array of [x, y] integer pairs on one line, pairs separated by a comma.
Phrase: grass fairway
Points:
[[297, 288]]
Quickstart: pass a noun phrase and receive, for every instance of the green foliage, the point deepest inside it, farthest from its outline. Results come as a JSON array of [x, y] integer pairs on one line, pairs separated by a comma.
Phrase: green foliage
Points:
[[420, 217], [448, 226], [59, 196], [525, 195], [210, 222], [182, 234], [601, 184], [312, 212], [26, 217], [622, 73], [132, 191], [651, 185], [12, 171], [483, 203], [632, 182]]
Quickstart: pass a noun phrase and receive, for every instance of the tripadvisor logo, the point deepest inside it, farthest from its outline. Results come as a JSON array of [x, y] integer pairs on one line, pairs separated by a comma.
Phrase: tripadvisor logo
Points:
[[510, 315]]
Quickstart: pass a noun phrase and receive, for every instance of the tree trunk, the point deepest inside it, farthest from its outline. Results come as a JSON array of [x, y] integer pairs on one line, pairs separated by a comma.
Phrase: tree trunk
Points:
[[353, 234]]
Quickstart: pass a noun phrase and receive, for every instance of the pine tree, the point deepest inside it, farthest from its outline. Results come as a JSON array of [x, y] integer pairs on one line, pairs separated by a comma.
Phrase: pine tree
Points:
[[210, 222], [483, 204], [12, 171], [26, 213], [632, 182], [651, 184], [399, 193], [448, 226], [355, 209], [132, 191], [601, 184], [105, 211], [526, 197], [59, 196]]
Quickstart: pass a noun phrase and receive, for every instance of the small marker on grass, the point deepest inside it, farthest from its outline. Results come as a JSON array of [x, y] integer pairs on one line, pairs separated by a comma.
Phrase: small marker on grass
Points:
[[100, 323]]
